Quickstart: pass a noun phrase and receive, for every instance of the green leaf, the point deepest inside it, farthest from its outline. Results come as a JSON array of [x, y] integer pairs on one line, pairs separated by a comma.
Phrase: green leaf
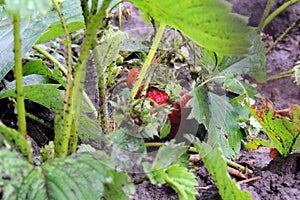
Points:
[[169, 154], [32, 79], [39, 67], [256, 143], [82, 176], [199, 105], [16, 140], [56, 30], [208, 23], [27, 7], [47, 95], [282, 127], [182, 181], [127, 149], [216, 165], [120, 187], [31, 31], [223, 125], [168, 167], [233, 85], [253, 64], [165, 130], [109, 49]]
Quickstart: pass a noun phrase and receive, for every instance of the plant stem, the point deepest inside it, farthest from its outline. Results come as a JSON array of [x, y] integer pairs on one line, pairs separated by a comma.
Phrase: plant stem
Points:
[[148, 61], [94, 7], [65, 72], [283, 35], [120, 15], [210, 79], [229, 162], [278, 11], [18, 76], [69, 53], [176, 186], [85, 10], [265, 14], [39, 120], [238, 166], [154, 144], [281, 75], [102, 113]]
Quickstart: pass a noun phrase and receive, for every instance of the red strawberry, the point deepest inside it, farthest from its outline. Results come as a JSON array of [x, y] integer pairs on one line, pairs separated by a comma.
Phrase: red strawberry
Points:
[[160, 97]]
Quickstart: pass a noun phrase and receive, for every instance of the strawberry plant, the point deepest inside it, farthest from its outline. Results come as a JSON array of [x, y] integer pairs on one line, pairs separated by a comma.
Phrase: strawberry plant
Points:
[[92, 156]]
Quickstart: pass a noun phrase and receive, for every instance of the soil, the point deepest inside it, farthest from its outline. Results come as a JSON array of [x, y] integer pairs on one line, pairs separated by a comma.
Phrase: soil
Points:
[[277, 178]]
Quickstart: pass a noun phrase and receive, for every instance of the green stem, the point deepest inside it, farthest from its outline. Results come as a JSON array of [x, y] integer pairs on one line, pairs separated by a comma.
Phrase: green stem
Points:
[[293, 25], [18, 76], [177, 187], [102, 113], [229, 162], [74, 103], [278, 11], [65, 72], [238, 166], [39, 120], [94, 7], [210, 79], [85, 10], [154, 144], [120, 15], [281, 75], [69, 52], [265, 14], [148, 61]]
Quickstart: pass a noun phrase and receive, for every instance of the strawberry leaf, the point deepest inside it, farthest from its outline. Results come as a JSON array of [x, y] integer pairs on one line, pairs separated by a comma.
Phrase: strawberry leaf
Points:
[[214, 162], [208, 23], [80, 176], [199, 105], [281, 126]]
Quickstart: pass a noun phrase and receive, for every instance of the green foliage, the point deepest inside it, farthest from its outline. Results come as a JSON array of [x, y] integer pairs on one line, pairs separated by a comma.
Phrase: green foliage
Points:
[[215, 164], [53, 99], [281, 127], [167, 168], [13, 139], [27, 7], [208, 23], [200, 108], [219, 117], [32, 30], [252, 64], [256, 143], [39, 67], [72, 175], [56, 30]]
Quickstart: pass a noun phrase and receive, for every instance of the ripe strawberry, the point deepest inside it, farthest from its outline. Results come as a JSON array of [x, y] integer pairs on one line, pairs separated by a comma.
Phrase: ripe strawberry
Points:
[[160, 97]]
